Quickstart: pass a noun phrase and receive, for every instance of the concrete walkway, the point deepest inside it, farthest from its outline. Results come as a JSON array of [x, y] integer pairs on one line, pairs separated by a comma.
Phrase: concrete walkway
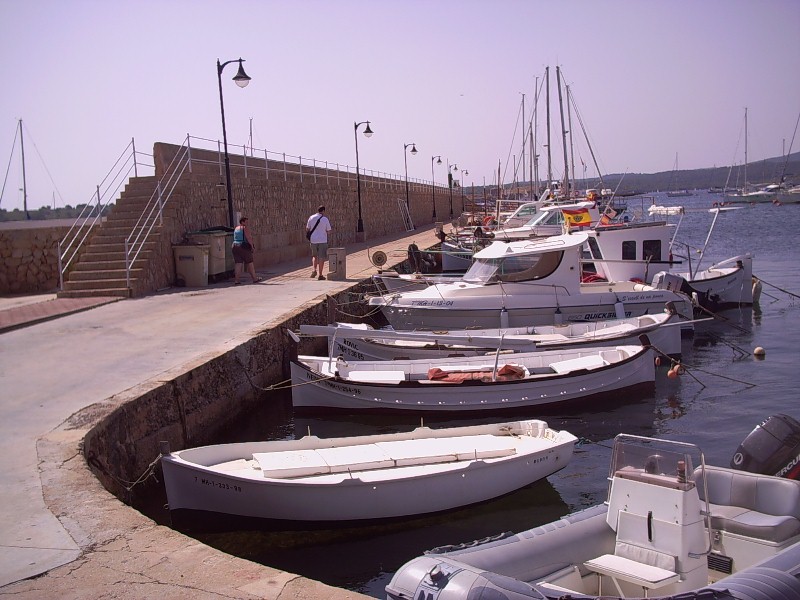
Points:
[[61, 534]]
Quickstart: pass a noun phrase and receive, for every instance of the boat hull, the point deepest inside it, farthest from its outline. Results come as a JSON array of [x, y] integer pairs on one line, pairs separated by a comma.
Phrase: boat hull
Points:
[[313, 386], [500, 311], [363, 493]]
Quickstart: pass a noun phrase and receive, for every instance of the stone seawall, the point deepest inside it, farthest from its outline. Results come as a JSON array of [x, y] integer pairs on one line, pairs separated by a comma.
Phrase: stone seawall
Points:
[[190, 405], [29, 257]]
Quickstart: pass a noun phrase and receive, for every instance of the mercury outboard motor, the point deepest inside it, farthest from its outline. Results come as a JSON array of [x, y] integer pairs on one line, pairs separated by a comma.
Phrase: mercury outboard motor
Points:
[[772, 448]]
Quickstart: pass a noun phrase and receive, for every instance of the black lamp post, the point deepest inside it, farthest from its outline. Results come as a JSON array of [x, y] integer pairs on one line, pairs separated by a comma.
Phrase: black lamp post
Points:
[[450, 183], [433, 184], [242, 79], [367, 133], [405, 158]]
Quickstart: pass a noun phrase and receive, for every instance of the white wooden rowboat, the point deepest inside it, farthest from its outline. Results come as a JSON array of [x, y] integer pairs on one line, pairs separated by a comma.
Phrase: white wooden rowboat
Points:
[[469, 384], [362, 342], [316, 480]]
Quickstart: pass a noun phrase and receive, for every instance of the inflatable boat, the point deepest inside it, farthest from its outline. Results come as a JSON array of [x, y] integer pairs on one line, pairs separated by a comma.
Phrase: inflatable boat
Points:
[[671, 527]]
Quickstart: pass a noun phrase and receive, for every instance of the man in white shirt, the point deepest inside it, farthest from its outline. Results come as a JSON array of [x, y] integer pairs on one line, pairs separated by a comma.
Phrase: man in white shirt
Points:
[[317, 229]]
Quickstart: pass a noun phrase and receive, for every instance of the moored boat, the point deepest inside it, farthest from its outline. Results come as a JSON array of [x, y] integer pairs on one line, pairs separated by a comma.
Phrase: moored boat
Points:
[[469, 384], [666, 530], [358, 479], [362, 342], [533, 282]]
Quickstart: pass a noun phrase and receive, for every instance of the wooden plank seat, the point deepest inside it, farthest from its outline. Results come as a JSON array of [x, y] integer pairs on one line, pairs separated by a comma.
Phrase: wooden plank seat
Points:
[[620, 568], [593, 361], [382, 455]]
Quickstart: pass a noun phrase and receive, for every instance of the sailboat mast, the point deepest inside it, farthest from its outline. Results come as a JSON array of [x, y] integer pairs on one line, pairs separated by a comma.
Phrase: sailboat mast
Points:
[[563, 134], [571, 147], [549, 160], [24, 182], [744, 189], [534, 155], [524, 136]]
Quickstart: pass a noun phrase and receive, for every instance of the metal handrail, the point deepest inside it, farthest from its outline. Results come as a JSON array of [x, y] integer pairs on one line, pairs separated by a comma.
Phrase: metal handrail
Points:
[[153, 211], [106, 191]]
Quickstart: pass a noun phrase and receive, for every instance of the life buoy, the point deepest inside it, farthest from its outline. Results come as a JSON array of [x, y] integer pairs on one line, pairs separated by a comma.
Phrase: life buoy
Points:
[[489, 222]]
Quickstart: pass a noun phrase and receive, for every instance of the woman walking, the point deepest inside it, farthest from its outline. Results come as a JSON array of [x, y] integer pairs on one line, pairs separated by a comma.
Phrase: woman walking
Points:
[[243, 252]]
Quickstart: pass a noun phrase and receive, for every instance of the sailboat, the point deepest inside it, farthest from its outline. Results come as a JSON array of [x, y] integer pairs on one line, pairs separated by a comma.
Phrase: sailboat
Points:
[[676, 193], [24, 184], [762, 195]]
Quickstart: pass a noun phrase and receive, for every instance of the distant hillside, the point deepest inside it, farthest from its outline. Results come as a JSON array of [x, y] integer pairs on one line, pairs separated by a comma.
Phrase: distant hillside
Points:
[[758, 173]]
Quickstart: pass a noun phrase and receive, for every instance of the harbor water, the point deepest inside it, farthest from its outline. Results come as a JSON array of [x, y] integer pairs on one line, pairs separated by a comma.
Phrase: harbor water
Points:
[[725, 392]]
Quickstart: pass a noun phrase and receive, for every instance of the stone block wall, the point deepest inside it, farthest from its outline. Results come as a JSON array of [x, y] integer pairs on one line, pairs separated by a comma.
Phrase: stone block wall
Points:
[[29, 257]]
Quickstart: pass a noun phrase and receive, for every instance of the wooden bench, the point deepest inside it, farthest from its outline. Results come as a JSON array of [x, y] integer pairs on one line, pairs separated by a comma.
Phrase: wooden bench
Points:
[[619, 568]]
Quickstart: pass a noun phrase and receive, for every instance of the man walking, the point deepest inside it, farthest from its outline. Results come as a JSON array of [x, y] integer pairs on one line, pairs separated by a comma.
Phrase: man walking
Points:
[[317, 229]]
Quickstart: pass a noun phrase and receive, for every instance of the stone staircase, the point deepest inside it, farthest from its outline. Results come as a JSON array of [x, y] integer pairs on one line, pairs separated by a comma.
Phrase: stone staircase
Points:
[[100, 268]]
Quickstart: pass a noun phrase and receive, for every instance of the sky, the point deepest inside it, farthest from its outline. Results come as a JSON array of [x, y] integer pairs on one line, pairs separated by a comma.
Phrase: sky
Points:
[[653, 83]]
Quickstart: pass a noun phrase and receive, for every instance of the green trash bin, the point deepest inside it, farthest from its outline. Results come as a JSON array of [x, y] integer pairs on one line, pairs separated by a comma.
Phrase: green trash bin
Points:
[[220, 256], [191, 265]]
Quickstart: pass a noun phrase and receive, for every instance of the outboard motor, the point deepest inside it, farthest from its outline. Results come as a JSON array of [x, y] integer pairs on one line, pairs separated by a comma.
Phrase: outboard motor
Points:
[[772, 448]]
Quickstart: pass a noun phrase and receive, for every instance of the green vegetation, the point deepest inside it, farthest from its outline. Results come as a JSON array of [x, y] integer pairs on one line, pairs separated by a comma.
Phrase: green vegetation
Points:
[[46, 213]]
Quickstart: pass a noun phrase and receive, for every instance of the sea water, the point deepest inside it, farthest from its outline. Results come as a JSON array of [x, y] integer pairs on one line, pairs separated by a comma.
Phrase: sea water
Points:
[[725, 392]]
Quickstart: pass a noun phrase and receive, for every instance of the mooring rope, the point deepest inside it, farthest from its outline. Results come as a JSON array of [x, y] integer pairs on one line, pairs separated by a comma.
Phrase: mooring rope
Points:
[[682, 367], [149, 472], [286, 384], [792, 294]]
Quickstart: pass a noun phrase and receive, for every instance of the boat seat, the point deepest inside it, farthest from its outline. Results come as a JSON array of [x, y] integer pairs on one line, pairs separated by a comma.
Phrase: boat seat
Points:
[[382, 455], [593, 361], [391, 377], [636, 559], [759, 506], [436, 450]]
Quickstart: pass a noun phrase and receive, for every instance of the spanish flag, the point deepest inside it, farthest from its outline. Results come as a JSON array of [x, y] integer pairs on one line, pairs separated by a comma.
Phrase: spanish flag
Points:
[[577, 216]]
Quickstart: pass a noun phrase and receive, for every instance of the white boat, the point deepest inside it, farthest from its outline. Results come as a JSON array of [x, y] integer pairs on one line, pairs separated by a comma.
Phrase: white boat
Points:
[[470, 383], [642, 250], [666, 530], [459, 248], [517, 284], [745, 195], [361, 342], [349, 479]]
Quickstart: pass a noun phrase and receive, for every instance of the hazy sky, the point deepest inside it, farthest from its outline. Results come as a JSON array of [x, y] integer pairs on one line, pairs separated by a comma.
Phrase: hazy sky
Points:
[[651, 79]]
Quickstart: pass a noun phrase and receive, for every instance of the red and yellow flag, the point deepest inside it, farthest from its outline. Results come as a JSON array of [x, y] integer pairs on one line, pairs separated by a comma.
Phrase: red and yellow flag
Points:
[[577, 216]]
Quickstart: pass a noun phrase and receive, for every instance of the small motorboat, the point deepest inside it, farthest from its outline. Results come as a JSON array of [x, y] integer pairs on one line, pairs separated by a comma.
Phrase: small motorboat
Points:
[[667, 530], [497, 381], [356, 479], [361, 342]]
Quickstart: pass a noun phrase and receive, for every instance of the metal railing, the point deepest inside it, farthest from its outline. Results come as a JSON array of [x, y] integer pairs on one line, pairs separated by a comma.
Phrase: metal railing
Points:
[[273, 164], [284, 166], [106, 191]]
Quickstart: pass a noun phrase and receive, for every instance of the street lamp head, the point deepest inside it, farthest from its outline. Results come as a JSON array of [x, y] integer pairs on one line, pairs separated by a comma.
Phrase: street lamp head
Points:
[[413, 148], [241, 78], [438, 159], [368, 131]]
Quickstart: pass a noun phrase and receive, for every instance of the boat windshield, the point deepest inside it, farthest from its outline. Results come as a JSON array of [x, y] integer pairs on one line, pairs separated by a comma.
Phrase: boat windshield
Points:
[[637, 457], [547, 217], [519, 267]]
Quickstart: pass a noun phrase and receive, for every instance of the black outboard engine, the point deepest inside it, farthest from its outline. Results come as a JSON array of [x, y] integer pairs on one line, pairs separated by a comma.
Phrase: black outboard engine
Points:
[[772, 448]]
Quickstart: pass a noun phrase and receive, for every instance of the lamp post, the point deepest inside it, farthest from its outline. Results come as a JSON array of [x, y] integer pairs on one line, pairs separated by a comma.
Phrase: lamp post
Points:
[[433, 184], [242, 79], [464, 174], [405, 158], [367, 133], [450, 183]]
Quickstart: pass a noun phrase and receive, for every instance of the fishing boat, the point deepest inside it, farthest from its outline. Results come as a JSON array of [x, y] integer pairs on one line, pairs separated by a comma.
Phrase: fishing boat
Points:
[[666, 530], [360, 341], [647, 251], [459, 248], [516, 284], [498, 381], [358, 479]]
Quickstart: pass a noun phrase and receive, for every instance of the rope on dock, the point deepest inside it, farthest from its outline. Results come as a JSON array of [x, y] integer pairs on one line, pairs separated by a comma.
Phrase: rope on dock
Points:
[[149, 472]]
